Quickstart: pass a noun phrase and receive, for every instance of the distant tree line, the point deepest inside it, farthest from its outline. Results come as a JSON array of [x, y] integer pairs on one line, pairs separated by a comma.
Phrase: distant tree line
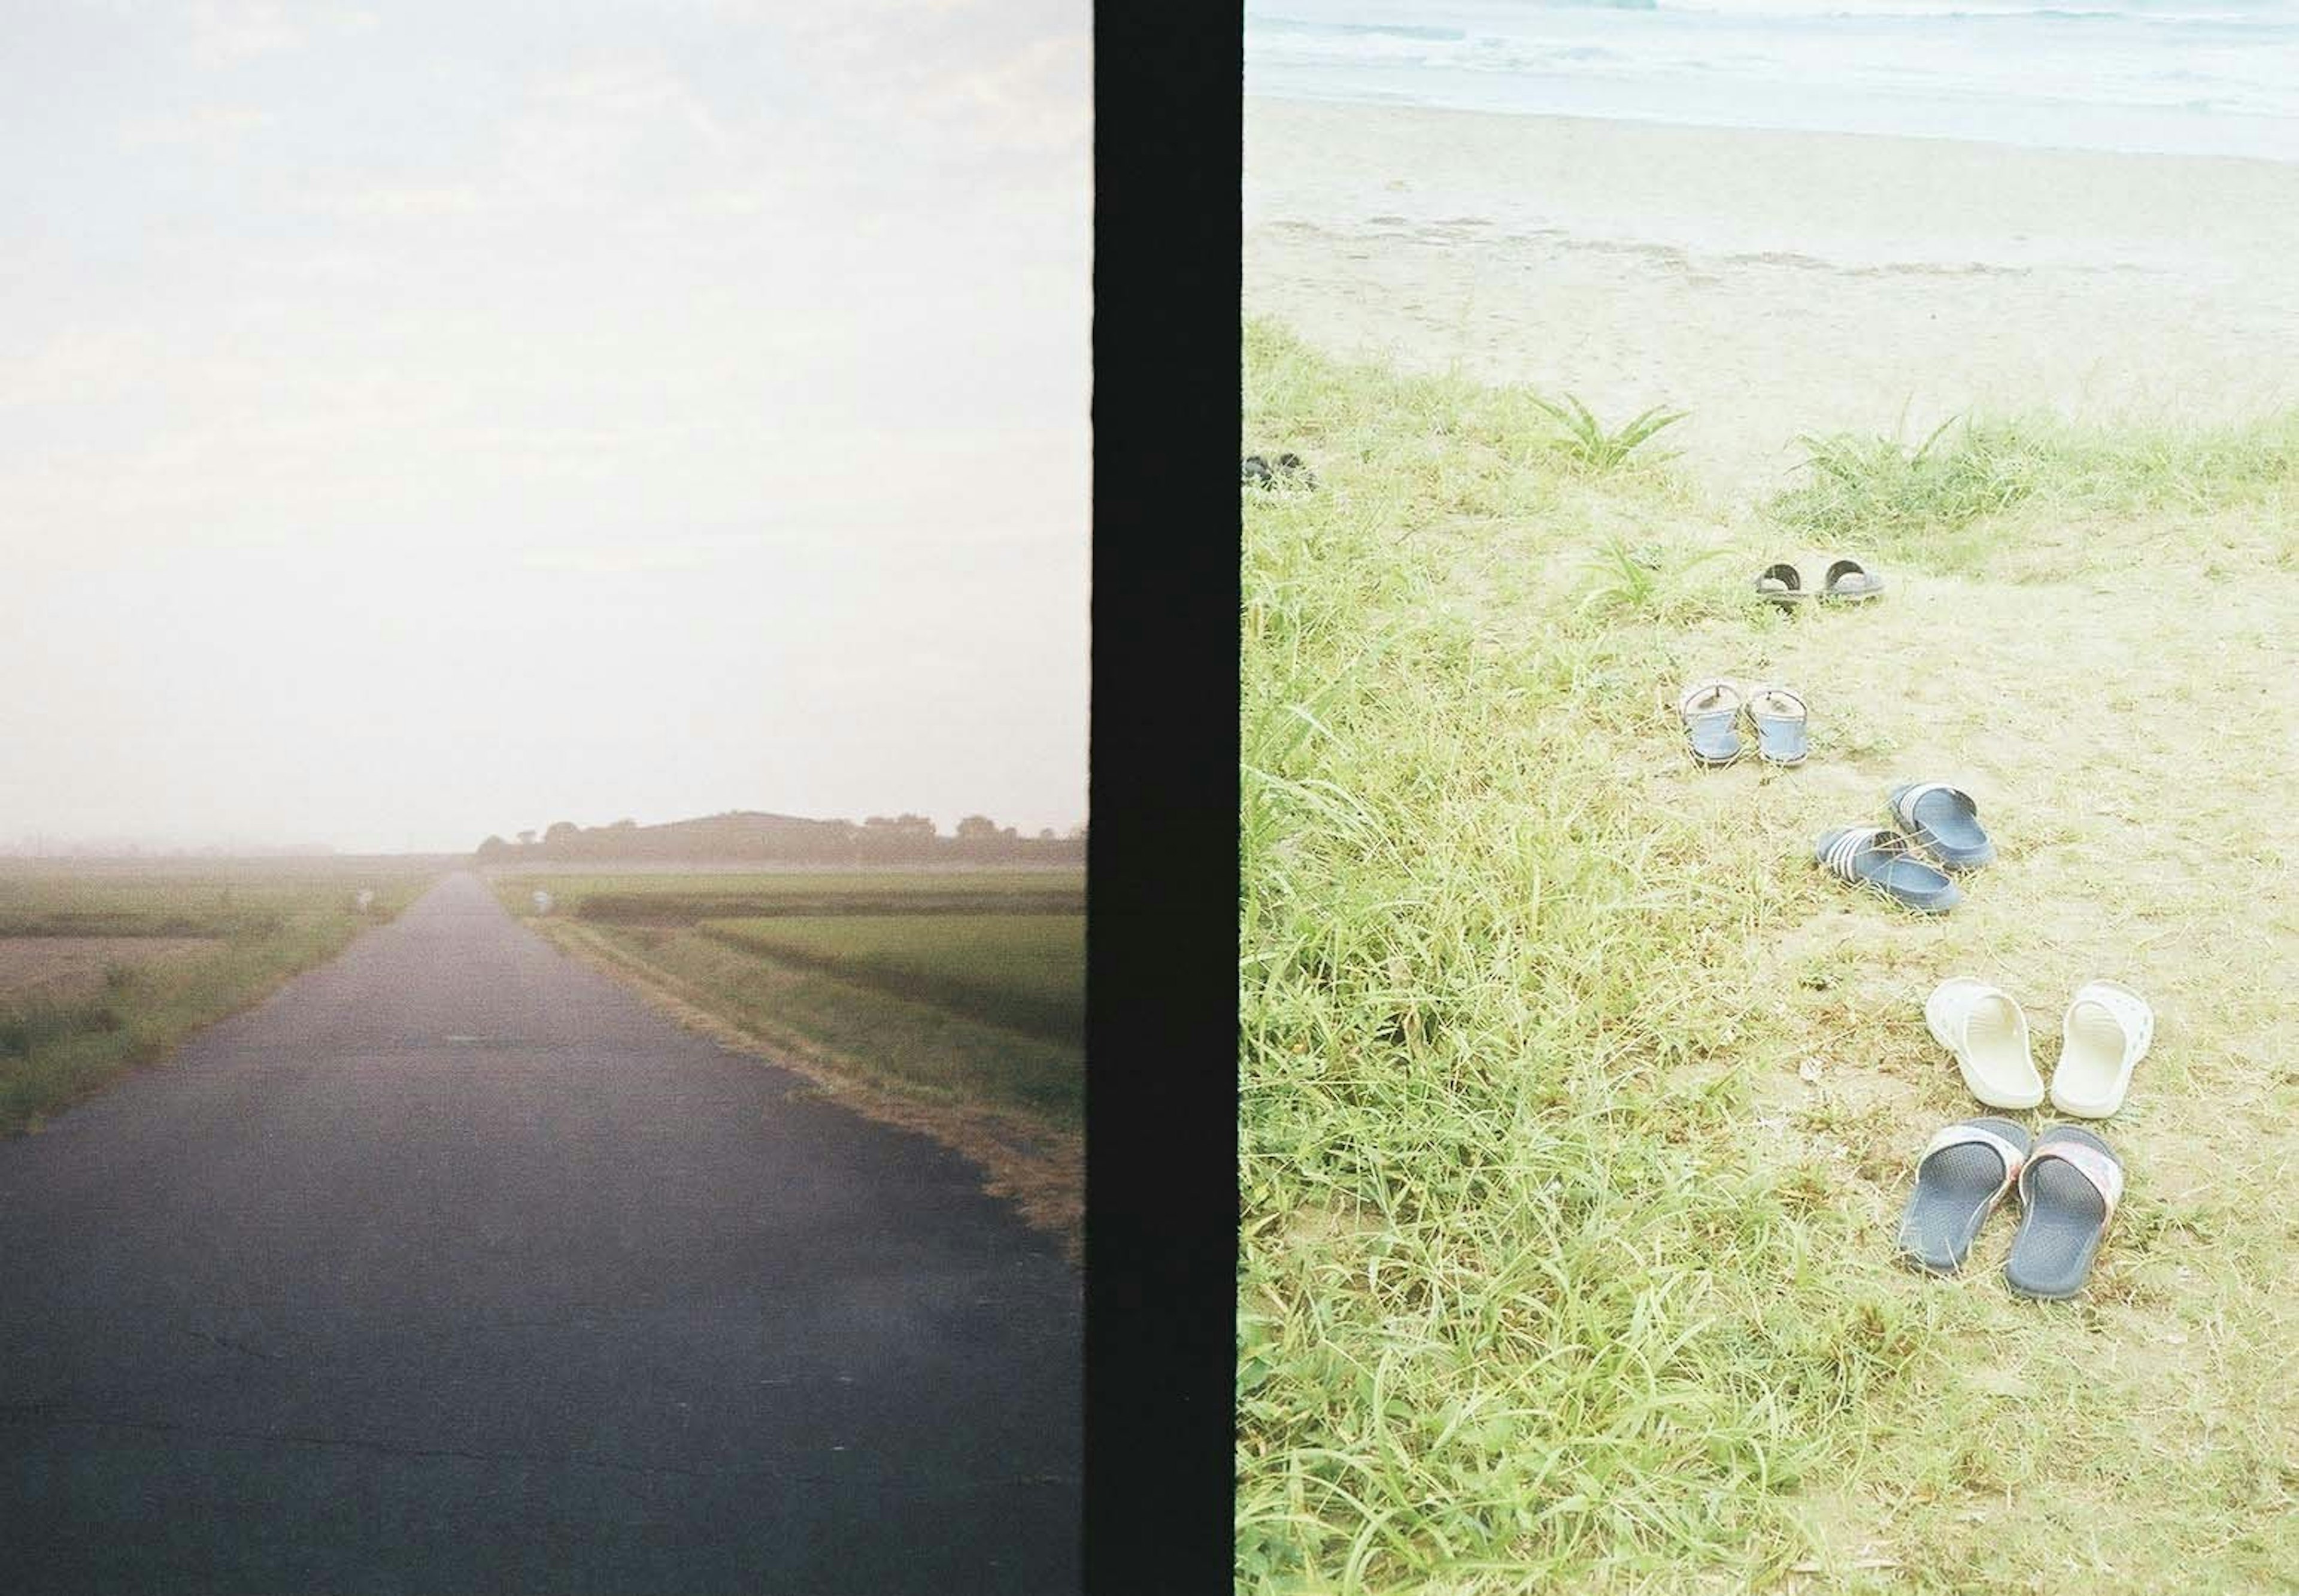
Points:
[[747, 835]]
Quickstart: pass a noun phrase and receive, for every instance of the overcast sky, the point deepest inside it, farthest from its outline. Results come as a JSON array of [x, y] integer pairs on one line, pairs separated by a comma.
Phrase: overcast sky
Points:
[[419, 420]]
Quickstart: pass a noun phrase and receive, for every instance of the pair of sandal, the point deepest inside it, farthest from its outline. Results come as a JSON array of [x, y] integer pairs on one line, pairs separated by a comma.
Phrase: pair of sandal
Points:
[[1254, 471], [2103, 1037], [2069, 1182], [1713, 710], [1847, 581], [1941, 821]]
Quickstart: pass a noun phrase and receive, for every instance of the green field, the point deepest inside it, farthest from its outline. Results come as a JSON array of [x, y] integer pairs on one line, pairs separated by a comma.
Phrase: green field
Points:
[[100, 972], [959, 987], [1578, 1108], [1024, 971], [680, 899]]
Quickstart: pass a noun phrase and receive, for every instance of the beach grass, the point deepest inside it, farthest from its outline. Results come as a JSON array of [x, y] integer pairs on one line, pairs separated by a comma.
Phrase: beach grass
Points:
[[1577, 1109], [216, 943], [1597, 447], [1943, 502]]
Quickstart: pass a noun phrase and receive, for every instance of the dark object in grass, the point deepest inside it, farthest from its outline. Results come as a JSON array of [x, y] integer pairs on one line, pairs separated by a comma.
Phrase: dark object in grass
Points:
[[1782, 585], [36, 1024], [1255, 472]]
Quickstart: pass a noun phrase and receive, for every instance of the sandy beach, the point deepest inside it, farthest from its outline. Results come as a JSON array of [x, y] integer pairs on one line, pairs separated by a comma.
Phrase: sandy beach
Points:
[[1771, 283]]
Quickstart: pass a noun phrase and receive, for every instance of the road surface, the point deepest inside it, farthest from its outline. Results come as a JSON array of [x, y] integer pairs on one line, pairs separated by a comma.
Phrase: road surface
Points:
[[453, 1267]]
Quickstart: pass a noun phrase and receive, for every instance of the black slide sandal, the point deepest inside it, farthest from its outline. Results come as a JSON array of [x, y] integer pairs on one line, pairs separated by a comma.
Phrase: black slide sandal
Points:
[[1782, 584], [2071, 1183], [1967, 1168]]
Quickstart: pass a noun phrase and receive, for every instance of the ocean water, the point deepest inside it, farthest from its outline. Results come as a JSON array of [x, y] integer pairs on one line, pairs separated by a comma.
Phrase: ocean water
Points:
[[2188, 77]]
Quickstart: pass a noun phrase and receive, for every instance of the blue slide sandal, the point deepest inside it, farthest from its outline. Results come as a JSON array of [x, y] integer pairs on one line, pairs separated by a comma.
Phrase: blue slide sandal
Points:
[[1878, 858], [1945, 822]]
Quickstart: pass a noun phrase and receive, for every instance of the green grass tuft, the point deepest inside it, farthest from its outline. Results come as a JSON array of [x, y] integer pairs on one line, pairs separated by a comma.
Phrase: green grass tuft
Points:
[[1588, 443]]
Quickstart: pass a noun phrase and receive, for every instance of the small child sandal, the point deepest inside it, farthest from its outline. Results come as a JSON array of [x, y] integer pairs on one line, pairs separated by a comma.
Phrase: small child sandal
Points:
[[1780, 718], [1712, 712]]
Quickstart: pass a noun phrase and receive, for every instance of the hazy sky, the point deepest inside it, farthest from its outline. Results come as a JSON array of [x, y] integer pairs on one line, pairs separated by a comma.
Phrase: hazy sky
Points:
[[419, 420]]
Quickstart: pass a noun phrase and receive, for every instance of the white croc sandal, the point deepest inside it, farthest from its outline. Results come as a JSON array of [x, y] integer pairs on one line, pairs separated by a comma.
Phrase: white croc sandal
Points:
[[1987, 1034], [2102, 1039]]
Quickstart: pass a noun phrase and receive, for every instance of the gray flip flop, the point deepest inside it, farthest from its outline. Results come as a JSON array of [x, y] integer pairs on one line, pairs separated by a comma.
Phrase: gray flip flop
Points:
[[1965, 1171], [1849, 582], [2071, 1184], [1712, 714]]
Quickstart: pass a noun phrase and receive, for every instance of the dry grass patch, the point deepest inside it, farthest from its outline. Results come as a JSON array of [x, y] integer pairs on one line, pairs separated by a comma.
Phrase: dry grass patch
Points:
[[61, 969]]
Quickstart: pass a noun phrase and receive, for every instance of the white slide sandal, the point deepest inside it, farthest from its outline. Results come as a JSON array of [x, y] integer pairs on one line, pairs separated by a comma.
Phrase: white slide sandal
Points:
[[1987, 1034], [2102, 1039]]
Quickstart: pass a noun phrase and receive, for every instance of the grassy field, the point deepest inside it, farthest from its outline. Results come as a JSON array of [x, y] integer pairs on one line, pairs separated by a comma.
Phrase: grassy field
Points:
[[100, 972], [952, 1002], [1577, 1109], [1024, 971], [681, 899]]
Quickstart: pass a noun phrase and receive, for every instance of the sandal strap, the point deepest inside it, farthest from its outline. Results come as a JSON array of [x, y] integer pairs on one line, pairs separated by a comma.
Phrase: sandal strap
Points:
[[2106, 1174], [1848, 847], [1767, 688], [1905, 806], [1729, 703], [2130, 1011], [1979, 992], [1969, 1136]]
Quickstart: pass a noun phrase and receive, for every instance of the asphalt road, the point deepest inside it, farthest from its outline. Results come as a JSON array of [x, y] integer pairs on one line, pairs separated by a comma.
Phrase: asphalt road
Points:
[[453, 1267]]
